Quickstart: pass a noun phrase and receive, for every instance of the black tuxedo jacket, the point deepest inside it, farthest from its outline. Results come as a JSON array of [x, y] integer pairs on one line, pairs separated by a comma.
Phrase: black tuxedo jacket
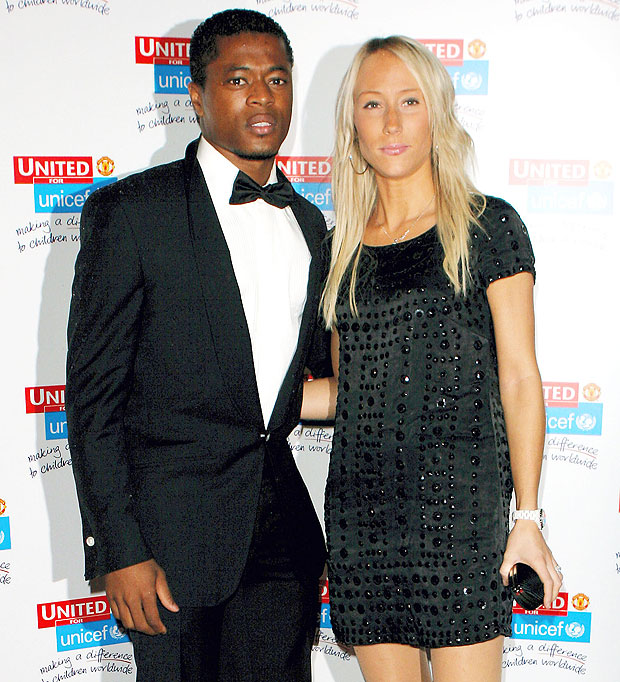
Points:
[[165, 426]]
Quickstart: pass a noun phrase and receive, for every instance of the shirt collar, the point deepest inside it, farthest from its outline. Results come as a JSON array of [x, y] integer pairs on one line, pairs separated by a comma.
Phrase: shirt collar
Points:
[[220, 173]]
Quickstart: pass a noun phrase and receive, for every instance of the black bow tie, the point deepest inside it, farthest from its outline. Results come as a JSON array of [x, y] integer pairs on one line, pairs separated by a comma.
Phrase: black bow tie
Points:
[[245, 190]]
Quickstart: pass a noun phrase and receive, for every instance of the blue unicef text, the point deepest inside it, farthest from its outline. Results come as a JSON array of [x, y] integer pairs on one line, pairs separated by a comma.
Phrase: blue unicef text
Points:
[[317, 193], [65, 197], [586, 419], [94, 633], [593, 199], [326, 621], [575, 627], [172, 78], [470, 78], [55, 425], [5, 533]]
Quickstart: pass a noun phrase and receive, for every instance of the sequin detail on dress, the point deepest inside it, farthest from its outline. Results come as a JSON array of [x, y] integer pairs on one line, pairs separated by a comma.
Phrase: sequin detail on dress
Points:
[[419, 484]]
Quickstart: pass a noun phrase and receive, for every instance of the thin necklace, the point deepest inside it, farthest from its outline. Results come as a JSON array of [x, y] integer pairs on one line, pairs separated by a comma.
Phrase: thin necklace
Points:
[[408, 230]]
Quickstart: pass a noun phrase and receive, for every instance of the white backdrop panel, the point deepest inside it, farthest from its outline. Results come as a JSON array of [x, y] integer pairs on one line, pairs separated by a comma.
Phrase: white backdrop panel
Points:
[[536, 85]]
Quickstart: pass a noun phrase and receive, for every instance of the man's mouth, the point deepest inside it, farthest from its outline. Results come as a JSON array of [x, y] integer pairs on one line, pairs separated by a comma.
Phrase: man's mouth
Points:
[[261, 124]]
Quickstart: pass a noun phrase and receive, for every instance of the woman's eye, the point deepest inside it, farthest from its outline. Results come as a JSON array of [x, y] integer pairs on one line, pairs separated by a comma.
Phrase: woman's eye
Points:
[[411, 100], [371, 105]]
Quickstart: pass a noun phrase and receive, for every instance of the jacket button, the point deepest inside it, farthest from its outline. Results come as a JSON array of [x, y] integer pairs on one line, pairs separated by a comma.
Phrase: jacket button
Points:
[[265, 435], [90, 541]]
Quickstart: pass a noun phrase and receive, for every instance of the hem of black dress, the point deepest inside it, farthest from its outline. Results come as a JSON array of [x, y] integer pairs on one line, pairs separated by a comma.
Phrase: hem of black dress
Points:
[[427, 644]]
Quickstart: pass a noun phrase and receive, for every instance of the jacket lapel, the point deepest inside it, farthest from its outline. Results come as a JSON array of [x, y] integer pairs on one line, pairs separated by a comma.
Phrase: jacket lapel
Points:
[[313, 238], [227, 323]]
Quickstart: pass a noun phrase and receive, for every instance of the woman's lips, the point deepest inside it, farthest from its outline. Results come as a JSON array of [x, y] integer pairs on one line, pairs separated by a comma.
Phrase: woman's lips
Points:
[[394, 149]]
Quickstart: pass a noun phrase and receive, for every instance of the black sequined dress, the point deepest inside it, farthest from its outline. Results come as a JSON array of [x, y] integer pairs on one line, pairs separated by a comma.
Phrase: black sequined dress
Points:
[[419, 482]]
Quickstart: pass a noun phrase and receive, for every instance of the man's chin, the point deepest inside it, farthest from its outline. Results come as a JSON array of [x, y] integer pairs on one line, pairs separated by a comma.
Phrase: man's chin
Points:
[[263, 155]]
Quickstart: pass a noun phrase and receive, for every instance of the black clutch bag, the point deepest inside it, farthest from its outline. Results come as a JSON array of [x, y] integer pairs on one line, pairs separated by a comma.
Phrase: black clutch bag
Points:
[[527, 588]]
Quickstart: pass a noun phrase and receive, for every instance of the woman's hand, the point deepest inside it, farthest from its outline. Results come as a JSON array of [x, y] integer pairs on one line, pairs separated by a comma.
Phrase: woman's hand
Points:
[[527, 545]]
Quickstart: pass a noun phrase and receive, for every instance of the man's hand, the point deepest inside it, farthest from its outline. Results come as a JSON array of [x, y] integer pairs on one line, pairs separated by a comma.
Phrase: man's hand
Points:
[[133, 592]]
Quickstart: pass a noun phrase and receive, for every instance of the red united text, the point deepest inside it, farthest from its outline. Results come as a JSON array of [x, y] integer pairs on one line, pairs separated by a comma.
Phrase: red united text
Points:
[[44, 398], [153, 50], [561, 394], [325, 592], [31, 169], [548, 172], [448, 51], [72, 611], [558, 608], [306, 168]]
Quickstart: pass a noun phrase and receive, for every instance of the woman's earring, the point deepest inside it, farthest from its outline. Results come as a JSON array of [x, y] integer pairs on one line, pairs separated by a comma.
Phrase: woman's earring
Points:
[[353, 167]]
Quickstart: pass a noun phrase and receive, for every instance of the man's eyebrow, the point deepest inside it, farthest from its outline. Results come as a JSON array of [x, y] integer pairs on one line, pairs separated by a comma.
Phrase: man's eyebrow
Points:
[[271, 69]]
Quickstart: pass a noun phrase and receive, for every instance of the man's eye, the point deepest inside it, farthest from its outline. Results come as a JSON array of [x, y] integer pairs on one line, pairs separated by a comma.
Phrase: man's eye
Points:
[[235, 81]]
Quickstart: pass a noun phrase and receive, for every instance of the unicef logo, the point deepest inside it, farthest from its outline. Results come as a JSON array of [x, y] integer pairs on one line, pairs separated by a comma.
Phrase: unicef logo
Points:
[[575, 629], [472, 81], [586, 422], [116, 632]]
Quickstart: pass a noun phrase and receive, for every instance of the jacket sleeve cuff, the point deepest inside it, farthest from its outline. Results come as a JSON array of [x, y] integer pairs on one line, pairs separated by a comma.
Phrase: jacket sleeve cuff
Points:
[[113, 549]]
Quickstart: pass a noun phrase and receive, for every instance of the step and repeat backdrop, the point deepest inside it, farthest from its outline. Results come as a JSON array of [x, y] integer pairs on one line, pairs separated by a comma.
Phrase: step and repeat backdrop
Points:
[[94, 90]]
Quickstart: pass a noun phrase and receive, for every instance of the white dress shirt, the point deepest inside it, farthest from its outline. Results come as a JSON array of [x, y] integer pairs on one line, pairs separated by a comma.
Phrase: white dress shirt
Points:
[[271, 262]]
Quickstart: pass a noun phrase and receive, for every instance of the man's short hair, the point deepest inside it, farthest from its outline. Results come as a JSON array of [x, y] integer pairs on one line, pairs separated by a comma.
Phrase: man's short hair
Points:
[[203, 45]]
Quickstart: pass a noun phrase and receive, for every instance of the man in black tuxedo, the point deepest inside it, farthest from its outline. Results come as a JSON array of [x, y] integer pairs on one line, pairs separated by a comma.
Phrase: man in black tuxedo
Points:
[[192, 319]]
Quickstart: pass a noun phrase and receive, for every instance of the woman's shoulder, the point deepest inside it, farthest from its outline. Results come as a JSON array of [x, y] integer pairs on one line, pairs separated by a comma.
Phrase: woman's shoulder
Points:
[[500, 242], [498, 220], [496, 210]]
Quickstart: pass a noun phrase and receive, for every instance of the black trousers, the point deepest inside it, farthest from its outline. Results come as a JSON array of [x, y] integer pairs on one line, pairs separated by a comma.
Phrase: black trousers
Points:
[[262, 633]]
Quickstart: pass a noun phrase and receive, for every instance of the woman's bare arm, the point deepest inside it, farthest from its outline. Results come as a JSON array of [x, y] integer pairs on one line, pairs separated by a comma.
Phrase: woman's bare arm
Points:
[[512, 308], [319, 403]]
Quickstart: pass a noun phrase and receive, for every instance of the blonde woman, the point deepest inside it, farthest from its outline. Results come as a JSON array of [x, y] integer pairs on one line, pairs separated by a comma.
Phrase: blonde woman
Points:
[[439, 401]]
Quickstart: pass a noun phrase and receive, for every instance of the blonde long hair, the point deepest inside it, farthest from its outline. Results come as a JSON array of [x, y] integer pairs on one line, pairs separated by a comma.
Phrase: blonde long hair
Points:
[[458, 202]]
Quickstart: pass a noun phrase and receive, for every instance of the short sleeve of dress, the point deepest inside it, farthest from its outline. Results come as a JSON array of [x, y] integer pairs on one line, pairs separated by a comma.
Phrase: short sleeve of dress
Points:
[[503, 245]]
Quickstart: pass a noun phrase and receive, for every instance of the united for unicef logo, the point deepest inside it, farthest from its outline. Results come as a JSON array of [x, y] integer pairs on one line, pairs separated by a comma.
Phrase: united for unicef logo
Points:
[[575, 630], [586, 422]]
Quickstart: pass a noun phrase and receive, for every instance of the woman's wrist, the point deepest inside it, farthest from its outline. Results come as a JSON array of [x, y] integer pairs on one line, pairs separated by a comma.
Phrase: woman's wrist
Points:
[[536, 515]]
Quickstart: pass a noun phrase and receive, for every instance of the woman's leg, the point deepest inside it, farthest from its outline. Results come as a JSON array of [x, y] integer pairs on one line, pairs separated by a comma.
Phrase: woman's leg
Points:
[[393, 663], [471, 663]]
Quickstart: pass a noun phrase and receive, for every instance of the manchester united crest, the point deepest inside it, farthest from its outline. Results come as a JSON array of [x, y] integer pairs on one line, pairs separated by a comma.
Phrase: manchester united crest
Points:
[[581, 601], [591, 392], [477, 48], [602, 170], [105, 166]]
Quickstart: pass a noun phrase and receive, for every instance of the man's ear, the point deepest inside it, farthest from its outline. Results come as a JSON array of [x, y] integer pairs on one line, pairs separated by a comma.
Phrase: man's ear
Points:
[[195, 94]]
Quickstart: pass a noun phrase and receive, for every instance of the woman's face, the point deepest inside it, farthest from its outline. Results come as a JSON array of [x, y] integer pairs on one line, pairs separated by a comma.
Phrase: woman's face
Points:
[[391, 118]]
